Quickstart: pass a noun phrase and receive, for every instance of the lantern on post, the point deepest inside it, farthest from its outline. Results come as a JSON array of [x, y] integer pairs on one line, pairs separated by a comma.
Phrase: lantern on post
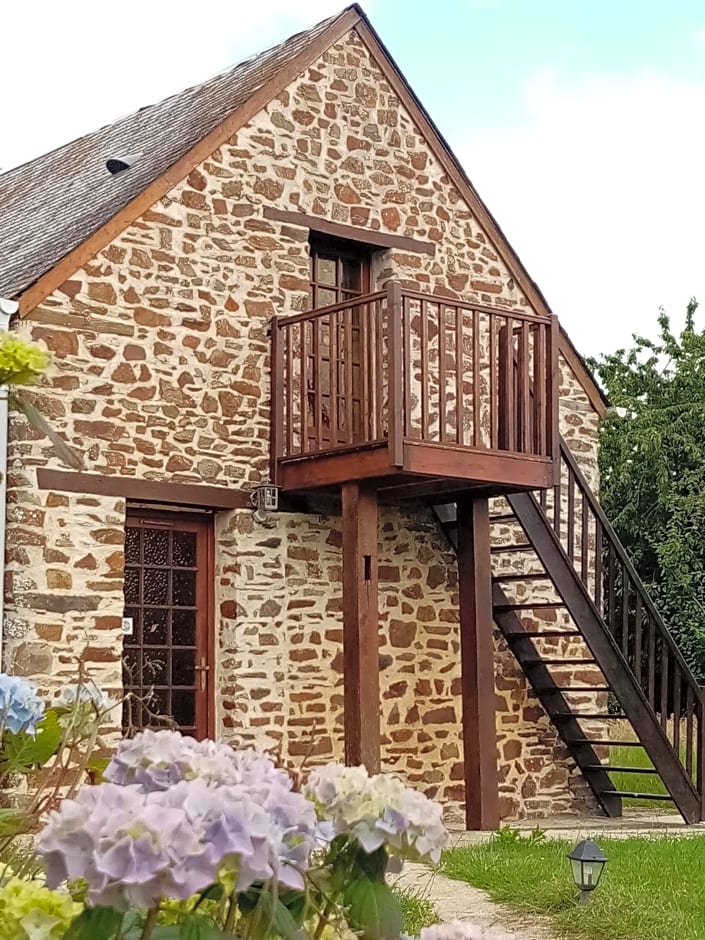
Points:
[[587, 864]]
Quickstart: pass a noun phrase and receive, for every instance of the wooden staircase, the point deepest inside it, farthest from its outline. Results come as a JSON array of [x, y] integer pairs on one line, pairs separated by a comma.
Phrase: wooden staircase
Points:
[[580, 622]]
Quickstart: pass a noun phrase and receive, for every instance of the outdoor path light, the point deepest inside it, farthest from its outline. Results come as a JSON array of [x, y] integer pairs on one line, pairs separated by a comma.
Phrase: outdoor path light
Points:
[[587, 863]]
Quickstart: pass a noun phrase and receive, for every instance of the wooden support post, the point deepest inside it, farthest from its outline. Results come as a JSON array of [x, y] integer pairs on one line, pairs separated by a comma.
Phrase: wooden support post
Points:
[[360, 627], [477, 653]]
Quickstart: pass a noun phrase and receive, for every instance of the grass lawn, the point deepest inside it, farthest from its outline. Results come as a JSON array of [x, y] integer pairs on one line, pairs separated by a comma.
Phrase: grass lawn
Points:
[[652, 889], [418, 912]]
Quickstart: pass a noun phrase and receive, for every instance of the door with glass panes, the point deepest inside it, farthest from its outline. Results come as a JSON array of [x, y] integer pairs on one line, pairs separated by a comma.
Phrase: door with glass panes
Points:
[[166, 648]]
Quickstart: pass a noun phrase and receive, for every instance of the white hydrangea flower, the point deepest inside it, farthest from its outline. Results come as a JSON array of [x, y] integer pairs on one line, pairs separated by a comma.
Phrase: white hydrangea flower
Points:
[[378, 811]]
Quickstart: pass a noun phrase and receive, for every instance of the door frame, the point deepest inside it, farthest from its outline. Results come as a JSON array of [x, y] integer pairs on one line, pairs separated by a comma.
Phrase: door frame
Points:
[[205, 590]]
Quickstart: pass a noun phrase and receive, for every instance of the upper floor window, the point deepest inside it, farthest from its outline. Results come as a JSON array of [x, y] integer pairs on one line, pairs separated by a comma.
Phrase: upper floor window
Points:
[[339, 271]]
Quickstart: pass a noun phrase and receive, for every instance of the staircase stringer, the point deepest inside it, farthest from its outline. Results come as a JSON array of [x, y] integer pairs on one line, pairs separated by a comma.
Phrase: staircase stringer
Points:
[[607, 653]]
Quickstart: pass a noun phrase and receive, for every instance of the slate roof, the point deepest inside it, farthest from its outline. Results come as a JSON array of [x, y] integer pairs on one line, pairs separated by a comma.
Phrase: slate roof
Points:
[[52, 204]]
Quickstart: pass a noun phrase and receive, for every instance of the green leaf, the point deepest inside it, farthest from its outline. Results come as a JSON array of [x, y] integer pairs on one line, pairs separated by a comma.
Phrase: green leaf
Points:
[[197, 928], [373, 910], [97, 766], [22, 752], [13, 822], [95, 923], [273, 912]]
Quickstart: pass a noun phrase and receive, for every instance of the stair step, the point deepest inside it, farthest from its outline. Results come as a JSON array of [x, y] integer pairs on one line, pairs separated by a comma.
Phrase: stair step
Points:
[[577, 689], [503, 517], [536, 605], [531, 576], [546, 634], [558, 662], [626, 795], [602, 743], [621, 770], [513, 547], [592, 716]]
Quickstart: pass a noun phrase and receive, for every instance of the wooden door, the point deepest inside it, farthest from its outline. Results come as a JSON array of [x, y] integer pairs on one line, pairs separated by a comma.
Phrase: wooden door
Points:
[[340, 273], [167, 636]]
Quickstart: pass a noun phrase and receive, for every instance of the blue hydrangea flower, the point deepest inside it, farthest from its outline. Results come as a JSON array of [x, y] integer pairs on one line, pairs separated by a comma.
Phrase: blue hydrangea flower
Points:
[[20, 706]]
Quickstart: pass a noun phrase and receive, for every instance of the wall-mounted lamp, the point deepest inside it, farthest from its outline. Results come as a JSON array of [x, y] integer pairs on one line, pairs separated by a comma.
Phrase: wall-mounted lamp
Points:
[[264, 499]]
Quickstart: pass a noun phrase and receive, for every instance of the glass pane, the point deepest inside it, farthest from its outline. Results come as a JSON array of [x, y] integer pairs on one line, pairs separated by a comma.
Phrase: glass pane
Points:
[[132, 586], [325, 271], [155, 586], [155, 667], [132, 546], [183, 627], [325, 297], [131, 668], [183, 667], [184, 589], [155, 623], [156, 547], [157, 702], [133, 639], [183, 706], [352, 276], [184, 549]]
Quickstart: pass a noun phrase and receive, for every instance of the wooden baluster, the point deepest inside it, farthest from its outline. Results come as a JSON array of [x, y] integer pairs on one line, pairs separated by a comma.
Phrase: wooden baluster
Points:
[[557, 507], [425, 391], [459, 376], [441, 373], [507, 411], [611, 589], [303, 417], [638, 666], [333, 366], [348, 362], [571, 516], [397, 369], [523, 390], [383, 317], [598, 565], [476, 383], [367, 411], [290, 389], [317, 376], [664, 683], [540, 446], [700, 757], [651, 663], [689, 702], [626, 585], [495, 373], [676, 707], [584, 539], [279, 394], [408, 368]]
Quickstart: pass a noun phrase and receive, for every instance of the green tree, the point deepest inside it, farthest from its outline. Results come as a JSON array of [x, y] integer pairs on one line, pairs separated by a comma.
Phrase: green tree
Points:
[[652, 465]]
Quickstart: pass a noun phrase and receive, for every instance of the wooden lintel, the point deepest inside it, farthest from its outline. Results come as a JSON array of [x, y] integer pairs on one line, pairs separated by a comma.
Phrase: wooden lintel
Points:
[[328, 469], [477, 657], [353, 233], [360, 627], [144, 491]]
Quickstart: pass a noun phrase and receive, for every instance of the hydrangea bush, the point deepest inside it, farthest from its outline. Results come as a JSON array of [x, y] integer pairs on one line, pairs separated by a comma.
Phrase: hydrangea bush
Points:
[[194, 840]]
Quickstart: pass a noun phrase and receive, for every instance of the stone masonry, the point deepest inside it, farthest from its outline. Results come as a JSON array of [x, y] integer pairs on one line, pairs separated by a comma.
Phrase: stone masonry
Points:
[[161, 372]]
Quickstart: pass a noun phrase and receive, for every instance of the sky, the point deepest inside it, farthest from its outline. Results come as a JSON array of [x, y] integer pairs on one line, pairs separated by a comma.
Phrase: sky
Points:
[[580, 122]]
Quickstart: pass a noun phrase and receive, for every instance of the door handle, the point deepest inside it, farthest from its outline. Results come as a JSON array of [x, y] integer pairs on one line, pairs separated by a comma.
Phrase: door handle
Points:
[[202, 668]]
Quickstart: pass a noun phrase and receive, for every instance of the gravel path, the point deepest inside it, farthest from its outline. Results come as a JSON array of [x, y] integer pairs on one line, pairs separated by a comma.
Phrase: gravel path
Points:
[[457, 900]]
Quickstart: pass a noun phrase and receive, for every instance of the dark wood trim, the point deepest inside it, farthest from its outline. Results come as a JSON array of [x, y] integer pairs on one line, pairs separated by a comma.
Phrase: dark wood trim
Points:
[[481, 466], [148, 491], [352, 233], [477, 657], [360, 627], [75, 259]]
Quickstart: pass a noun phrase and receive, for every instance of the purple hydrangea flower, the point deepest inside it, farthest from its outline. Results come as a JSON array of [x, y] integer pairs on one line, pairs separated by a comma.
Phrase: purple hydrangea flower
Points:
[[20, 706]]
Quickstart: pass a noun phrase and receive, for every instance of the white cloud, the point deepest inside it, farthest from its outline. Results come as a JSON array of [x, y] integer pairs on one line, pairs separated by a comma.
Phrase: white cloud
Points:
[[602, 192], [69, 67]]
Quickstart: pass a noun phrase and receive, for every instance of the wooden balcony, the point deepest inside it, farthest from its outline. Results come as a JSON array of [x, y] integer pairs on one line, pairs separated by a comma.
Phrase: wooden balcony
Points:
[[422, 394]]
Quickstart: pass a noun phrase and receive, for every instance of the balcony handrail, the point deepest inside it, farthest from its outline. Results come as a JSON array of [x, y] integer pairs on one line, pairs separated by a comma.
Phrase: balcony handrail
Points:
[[354, 301], [480, 308]]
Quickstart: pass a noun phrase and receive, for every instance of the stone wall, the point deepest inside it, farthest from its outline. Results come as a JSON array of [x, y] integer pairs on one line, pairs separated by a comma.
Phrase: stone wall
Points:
[[161, 358]]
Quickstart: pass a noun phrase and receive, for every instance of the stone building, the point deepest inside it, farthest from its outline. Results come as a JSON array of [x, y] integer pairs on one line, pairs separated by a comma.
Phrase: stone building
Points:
[[168, 288]]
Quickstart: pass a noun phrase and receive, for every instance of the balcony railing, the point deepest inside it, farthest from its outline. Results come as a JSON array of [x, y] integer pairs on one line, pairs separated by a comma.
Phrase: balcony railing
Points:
[[399, 367]]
